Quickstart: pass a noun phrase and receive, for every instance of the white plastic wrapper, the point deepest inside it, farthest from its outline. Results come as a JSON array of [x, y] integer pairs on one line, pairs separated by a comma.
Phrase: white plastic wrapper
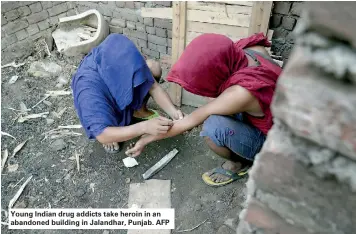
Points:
[[130, 162]]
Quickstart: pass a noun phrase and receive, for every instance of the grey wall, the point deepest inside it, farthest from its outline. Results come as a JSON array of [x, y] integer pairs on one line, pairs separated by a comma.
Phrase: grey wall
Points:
[[285, 16], [25, 22]]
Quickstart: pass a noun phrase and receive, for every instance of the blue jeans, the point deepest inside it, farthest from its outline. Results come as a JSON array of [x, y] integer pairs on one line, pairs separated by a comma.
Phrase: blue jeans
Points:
[[233, 133]]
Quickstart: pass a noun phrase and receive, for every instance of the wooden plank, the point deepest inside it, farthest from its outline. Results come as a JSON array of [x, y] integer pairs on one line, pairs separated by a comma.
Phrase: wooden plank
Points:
[[200, 16], [280, 63], [266, 15], [242, 3], [255, 21], [218, 18], [228, 30], [270, 34], [219, 7], [151, 194], [160, 164], [191, 35], [194, 100], [178, 45]]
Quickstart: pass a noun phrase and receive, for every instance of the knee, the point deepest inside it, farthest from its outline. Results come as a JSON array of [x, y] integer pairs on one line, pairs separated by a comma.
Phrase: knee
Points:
[[210, 142], [213, 131], [213, 125]]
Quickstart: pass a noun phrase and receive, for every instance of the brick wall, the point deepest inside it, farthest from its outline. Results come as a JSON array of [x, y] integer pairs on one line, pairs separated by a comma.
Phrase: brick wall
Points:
[[285, 16], [24, 22], [153, 37], [304, 179]]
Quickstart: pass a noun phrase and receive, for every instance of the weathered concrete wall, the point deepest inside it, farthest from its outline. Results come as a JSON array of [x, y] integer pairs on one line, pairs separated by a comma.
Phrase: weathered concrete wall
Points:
[[304, 179], [285, 16], [23, 22]]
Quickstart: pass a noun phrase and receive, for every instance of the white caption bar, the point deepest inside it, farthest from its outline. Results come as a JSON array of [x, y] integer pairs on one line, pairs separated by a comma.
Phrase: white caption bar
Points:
[[91, 219]]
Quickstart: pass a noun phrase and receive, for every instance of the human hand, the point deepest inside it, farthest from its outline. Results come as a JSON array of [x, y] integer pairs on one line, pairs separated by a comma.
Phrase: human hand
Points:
[[177, 115], [135, 150], [159, 125]]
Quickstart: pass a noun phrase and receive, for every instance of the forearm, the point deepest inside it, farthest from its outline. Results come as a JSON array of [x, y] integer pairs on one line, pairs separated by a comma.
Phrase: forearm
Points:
[[163, 100], [121, 134], [189, 122], [233, 100]]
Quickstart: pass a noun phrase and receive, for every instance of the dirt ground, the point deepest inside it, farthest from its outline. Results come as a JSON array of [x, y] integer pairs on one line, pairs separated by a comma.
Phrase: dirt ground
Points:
[[102, 180]]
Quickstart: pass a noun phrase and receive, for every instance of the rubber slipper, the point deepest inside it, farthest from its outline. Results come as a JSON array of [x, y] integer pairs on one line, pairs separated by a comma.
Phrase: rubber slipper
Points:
[[154, 115], [233, 176]]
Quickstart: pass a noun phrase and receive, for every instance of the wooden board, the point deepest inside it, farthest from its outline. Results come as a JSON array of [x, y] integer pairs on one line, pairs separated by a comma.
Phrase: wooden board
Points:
[[219, 7], [270, 34], [228, 30], [266, 15], [151, 194], [200, 16], [191, 99], [255, 20], [178, 45], [191, 35], [219, 18], [242, 3]]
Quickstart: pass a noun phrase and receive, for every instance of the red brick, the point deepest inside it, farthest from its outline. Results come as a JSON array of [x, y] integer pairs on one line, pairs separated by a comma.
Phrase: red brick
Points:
[[262, 217], [278, 171], [317, 107]]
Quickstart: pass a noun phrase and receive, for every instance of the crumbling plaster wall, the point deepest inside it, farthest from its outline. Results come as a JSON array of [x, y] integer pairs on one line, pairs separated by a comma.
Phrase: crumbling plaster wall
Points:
[[304, 179]]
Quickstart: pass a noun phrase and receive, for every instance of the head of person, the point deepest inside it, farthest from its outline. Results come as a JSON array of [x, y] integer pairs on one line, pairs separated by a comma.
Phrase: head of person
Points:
[[205, 65], [155, 68]]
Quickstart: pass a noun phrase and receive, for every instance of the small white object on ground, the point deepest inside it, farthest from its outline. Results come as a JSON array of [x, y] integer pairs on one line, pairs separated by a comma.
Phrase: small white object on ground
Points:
[[158, 166], [130, 162], [13, 79]]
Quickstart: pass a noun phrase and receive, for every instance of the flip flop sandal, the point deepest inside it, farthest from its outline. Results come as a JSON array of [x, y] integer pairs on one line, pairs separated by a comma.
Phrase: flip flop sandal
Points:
[[233, 176], [114, 151], [154, 115]]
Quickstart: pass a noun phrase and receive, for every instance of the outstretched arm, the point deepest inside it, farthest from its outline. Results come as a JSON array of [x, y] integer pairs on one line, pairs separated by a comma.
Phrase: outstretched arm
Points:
[[233, 100], [119, 134], [164, 101]]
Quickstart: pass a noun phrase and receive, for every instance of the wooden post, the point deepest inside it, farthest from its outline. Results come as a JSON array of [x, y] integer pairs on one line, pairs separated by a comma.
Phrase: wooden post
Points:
[[178, 45], [261, 12], [266, 14]]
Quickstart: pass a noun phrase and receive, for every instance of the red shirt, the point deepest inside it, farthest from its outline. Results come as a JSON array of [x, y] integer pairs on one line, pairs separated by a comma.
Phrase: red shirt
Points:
[[212, 63]]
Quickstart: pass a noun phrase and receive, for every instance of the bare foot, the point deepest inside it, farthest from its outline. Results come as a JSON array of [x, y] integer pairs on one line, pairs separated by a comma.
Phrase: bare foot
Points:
[[228, 165], [112, 147]]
